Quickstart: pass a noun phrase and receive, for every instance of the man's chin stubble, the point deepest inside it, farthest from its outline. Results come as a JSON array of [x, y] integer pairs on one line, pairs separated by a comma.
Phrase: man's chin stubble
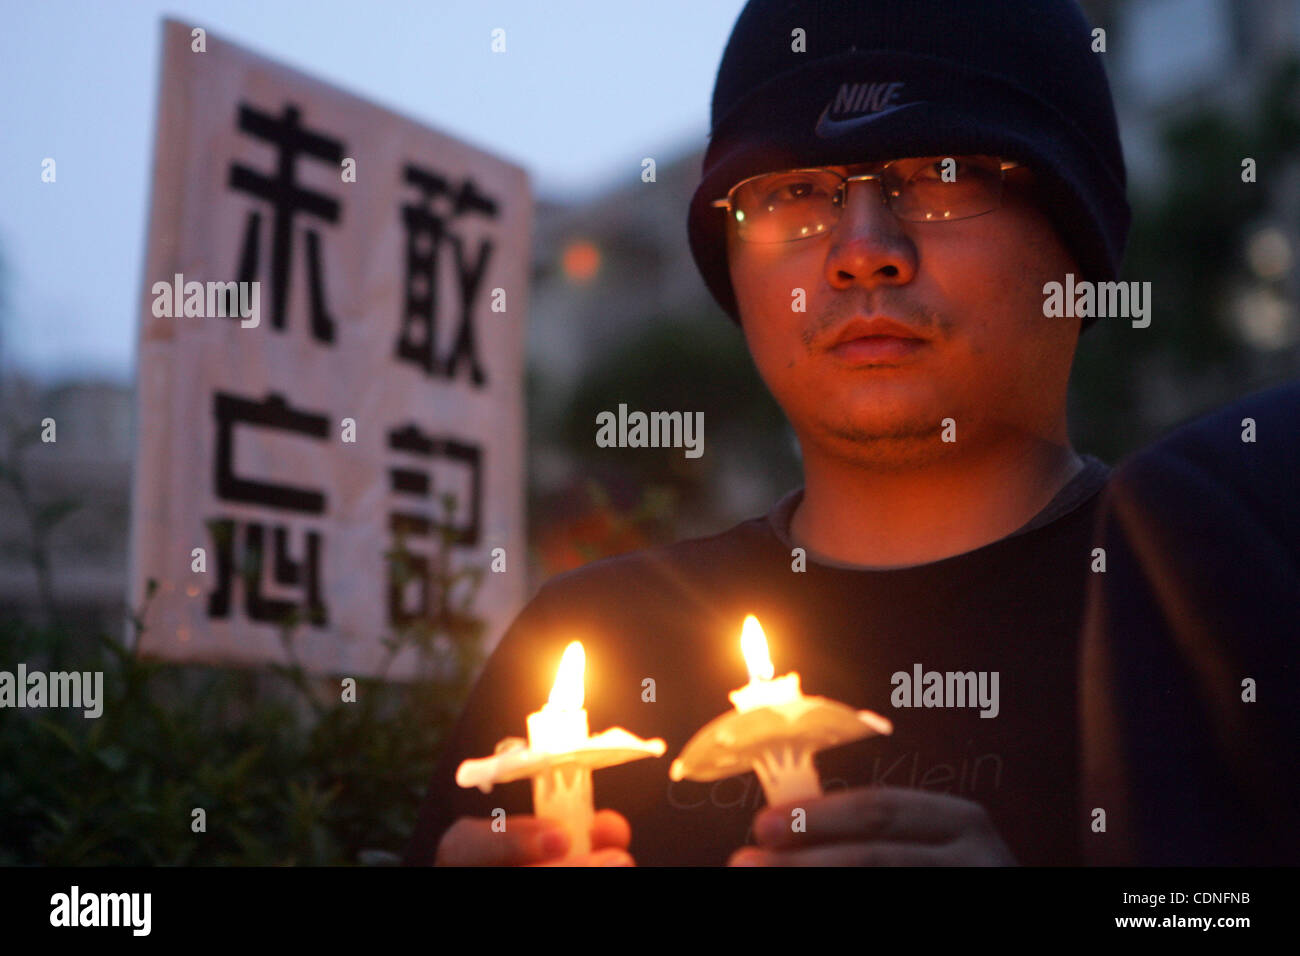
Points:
[[896, 448]]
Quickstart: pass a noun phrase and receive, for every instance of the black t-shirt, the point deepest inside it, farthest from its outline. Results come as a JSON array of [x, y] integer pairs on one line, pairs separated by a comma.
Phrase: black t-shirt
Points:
[[673, 614]]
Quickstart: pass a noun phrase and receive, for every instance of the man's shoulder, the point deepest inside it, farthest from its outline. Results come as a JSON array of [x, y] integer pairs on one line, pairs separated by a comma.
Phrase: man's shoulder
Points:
[[1248, 450], [1270, 410]]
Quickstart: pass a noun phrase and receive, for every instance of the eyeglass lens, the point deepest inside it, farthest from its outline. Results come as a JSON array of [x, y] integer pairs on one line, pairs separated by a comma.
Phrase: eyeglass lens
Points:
[[797, 204]]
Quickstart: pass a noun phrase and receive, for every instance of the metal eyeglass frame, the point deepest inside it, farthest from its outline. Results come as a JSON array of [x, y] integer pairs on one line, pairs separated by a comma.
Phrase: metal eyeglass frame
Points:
[[841, 190]]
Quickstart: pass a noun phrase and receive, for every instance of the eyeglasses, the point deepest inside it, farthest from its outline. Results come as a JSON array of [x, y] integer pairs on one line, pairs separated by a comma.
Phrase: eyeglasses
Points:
[[802, 203]]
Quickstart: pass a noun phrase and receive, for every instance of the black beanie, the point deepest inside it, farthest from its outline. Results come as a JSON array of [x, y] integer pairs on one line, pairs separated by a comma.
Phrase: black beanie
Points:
[[882, 79]]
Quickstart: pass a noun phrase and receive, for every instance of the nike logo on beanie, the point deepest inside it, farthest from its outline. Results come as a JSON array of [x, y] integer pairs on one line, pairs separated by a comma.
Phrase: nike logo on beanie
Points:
[[855, 104]]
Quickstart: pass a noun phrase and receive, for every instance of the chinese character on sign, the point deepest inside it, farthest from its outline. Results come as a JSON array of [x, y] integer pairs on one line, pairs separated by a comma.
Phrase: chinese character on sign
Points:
[[458, 465], [287, 199], [427, 234], [274, 413]]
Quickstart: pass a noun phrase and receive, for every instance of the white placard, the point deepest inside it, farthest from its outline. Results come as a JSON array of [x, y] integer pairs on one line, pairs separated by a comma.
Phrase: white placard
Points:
[[391, 263]]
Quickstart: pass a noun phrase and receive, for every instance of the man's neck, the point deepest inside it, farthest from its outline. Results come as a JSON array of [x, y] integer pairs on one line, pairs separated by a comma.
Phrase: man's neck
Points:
[[893, 519]]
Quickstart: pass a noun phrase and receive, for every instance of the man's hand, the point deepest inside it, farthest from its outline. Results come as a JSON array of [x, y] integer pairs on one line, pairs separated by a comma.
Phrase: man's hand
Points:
[[877, 826], [529, 841]]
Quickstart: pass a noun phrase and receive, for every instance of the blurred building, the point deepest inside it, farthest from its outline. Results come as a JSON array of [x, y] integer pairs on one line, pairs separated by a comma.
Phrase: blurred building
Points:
[[1176, 59], [89, 467], [604, 270]]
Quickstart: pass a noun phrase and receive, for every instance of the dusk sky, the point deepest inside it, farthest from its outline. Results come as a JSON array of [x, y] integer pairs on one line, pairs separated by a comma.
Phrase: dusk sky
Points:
[[584, 91]]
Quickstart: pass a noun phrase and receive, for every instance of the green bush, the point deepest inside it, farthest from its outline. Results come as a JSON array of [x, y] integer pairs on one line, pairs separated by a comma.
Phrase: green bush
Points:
[[286, 772]]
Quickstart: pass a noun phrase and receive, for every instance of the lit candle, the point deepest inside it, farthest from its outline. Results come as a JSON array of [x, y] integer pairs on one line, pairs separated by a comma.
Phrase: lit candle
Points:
[[561, 724], [775, 730], [559, 755], [563, 793], [762, 690]]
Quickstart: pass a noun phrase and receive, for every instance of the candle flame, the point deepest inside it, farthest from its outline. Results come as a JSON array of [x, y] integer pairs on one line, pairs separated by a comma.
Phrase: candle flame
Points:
[[753, 644], [567, 691]]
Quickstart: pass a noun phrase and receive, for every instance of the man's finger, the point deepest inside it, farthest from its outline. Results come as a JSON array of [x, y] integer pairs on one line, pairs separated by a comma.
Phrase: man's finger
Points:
[[877, 813], [610, 829], [526, 839]]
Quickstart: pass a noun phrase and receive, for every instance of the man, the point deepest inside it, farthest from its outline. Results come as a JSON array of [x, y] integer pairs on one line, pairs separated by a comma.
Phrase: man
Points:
[[944, 525], [1190, 658]]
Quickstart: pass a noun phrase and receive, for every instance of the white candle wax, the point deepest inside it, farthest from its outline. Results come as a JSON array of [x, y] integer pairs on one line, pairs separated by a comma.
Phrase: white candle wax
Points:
[[563, 794], [766, 693], [557, 729]]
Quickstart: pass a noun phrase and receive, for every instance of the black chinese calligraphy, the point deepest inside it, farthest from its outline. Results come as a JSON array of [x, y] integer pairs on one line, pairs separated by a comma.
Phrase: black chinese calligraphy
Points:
[[428, 232], [287, 199], [273, 413], [456, 460]]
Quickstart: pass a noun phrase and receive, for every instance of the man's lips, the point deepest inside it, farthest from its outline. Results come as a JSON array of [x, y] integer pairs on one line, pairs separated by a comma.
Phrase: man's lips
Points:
[[876, 340], [877, 349]]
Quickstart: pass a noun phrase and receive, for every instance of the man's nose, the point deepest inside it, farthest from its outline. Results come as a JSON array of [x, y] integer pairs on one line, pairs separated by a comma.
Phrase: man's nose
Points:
[[869, 244]]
